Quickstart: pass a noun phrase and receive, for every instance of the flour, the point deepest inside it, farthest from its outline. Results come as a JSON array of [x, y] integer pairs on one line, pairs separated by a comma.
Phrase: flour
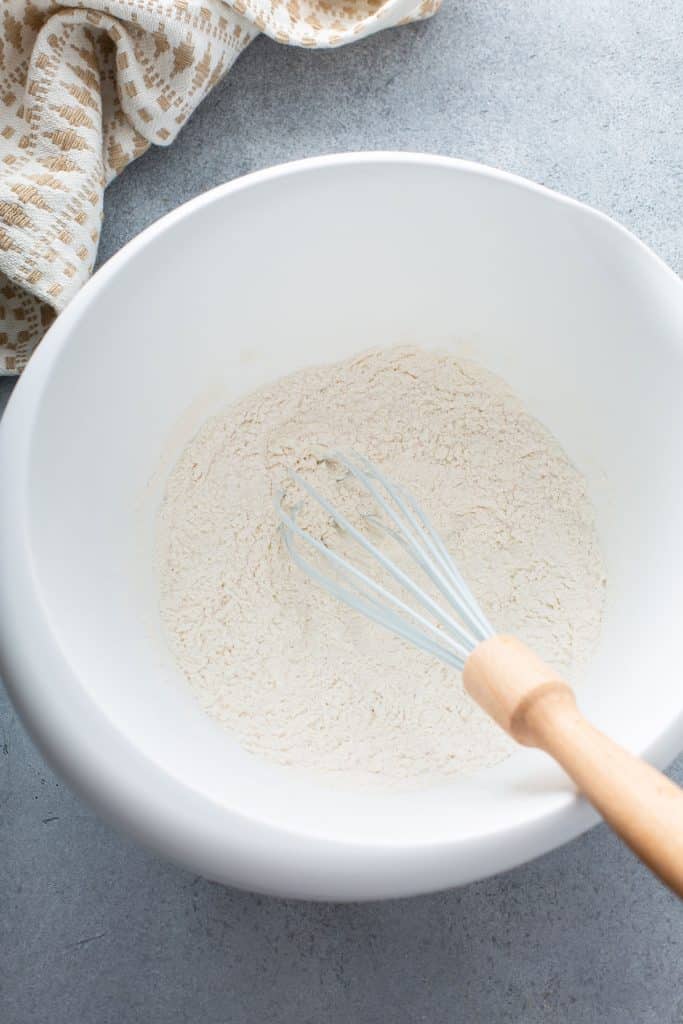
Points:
[[302, 680]]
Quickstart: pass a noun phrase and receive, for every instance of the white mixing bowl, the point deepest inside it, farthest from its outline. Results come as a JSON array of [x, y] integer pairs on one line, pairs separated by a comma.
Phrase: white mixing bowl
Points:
[[304, 264]]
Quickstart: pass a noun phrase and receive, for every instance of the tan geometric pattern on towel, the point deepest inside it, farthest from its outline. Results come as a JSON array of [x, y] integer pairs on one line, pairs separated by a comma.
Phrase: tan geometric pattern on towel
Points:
[[85, 87]]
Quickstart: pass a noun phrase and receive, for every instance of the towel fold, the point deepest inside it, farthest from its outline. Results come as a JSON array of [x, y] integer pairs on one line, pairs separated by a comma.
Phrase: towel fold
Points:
[[85, 87]]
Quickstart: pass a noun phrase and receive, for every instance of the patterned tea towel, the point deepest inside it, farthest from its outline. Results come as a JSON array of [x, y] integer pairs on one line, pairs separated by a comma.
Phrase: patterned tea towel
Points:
[[85, 87]]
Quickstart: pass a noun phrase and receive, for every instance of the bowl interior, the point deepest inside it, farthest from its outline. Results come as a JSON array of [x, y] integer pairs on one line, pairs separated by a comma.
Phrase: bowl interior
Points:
[[309, 266]]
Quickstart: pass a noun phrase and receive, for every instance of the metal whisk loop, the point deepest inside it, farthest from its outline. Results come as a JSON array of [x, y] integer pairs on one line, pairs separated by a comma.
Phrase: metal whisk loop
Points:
[[449, 638]]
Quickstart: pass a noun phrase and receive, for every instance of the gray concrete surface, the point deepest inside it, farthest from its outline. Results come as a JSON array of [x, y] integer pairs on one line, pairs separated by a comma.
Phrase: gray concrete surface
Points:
[[585, 97]]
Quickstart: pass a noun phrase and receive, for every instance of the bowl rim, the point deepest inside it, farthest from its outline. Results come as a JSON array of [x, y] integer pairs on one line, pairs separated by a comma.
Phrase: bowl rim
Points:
[[30, 657]]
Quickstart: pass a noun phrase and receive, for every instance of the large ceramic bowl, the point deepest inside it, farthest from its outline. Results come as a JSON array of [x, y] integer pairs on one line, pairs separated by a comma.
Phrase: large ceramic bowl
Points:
[[297, 265]]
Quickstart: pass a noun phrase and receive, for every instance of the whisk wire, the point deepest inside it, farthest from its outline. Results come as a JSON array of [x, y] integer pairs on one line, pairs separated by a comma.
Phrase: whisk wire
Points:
[[466, 604], [386, 563], [377, 612], [411, 543], [447, 638], [346, 569], [426, 535]]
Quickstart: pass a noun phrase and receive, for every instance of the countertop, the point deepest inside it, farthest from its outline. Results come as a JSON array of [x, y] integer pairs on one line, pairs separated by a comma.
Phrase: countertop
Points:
[[586, 98]]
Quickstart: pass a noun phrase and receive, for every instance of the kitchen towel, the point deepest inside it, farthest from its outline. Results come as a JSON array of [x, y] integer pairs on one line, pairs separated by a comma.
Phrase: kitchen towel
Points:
[[85, 87]]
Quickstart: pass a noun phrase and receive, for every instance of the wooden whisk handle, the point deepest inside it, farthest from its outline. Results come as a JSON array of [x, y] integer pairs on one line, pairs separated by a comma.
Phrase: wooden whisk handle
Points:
[[533, 704]]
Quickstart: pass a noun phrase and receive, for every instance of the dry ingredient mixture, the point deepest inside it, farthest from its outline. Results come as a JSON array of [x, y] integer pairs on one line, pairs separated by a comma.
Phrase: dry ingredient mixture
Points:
[[304, 681]]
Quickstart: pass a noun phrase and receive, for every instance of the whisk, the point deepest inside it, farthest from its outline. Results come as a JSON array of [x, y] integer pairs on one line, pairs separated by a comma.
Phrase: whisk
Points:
[[431, 606]]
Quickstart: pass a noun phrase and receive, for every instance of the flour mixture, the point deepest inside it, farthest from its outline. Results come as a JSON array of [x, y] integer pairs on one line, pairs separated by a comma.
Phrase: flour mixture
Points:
[[301, 679]]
